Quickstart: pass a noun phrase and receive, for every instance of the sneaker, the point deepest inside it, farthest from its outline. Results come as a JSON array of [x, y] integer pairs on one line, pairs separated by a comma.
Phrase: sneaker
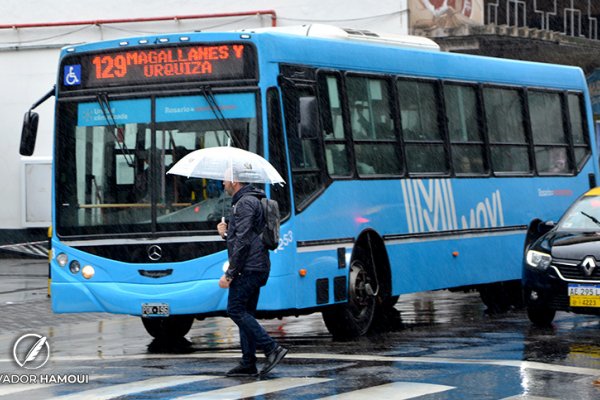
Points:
[[273, 358], [243, 370]]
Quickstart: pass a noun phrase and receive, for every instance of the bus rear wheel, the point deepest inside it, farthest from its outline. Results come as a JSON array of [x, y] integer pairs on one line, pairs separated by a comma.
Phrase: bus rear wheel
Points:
[[354, 318], [173, 327]]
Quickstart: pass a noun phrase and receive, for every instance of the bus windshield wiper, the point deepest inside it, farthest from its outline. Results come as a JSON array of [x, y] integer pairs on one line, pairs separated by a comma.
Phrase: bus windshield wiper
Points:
[[214, 106], [594, 219], [117, 132]]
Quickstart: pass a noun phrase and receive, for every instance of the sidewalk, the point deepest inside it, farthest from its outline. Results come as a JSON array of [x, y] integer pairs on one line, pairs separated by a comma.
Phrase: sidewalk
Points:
[[22, 279], [24, 301]]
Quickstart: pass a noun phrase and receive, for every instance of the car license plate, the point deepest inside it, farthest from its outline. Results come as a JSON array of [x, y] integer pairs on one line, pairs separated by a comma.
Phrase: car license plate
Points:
[[581, 295], [155, 310]]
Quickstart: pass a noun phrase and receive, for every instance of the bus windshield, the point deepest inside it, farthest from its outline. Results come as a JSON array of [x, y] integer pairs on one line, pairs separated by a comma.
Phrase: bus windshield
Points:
[[113, 155]]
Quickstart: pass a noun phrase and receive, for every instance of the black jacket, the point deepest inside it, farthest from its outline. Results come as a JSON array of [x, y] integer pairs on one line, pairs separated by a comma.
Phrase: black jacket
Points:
[[244, 246]]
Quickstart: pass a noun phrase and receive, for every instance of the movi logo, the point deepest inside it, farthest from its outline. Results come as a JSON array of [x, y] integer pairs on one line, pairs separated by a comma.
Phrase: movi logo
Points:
[[430, 207]]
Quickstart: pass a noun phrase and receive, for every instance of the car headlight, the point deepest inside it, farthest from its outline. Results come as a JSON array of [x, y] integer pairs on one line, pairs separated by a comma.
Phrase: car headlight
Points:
[[538, 259]]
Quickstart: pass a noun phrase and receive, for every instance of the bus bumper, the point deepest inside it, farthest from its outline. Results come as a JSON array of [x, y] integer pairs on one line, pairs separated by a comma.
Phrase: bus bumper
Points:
[[126, 298]]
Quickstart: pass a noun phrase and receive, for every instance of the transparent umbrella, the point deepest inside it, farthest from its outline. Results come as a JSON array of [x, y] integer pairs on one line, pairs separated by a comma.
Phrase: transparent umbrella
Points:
[[215, 162]]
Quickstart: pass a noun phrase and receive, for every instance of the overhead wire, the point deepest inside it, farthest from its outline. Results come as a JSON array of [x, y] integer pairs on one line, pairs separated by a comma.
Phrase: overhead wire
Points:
[[204, 27], [48, 37]]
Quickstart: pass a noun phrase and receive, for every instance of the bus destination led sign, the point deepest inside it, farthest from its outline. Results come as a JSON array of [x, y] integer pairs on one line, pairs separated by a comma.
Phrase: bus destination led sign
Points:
[[165, 64]]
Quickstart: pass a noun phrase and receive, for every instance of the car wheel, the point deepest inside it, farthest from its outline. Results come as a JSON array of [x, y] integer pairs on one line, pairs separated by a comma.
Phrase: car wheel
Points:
[[541, 316]]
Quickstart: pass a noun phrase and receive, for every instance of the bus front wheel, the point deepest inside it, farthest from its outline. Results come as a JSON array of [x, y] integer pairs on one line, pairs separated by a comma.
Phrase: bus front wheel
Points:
[[173, 327], [354, 318]]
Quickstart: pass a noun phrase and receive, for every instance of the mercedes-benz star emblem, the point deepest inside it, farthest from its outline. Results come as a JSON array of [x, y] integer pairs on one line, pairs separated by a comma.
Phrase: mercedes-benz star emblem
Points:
[[587, 265], [154, 252]]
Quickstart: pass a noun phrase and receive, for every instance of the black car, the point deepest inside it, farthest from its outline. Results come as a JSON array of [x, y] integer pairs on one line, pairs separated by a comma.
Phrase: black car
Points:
[[561, 265]]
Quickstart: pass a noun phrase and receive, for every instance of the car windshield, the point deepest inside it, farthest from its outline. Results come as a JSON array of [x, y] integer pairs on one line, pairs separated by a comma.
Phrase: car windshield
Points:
[[584, 215], [112, 160]]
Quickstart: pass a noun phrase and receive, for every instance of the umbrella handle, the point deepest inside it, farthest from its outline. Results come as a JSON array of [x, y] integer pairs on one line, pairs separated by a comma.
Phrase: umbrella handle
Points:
[[223, 219]]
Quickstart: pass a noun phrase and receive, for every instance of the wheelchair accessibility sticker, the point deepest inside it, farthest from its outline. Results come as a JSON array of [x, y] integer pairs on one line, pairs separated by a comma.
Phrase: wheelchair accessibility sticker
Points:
[[72, 75]]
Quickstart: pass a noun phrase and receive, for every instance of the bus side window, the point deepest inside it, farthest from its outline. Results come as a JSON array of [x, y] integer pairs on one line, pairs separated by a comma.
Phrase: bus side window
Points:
[[506, 130], [422, 133], [549, 132], [466, 136], [376, 148], [578, 127], [336, 149]]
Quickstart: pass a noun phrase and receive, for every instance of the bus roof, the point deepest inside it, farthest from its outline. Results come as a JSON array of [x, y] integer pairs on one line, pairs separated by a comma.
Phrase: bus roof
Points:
[[419, 62], [346, 34], [356, 51]]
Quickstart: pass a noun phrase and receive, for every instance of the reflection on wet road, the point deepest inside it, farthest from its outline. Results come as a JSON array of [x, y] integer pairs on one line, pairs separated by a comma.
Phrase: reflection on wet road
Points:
[[445, 347]]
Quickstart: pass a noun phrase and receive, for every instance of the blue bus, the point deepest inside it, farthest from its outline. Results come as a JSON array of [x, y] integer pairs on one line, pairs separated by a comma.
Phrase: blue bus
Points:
[[409, 169]]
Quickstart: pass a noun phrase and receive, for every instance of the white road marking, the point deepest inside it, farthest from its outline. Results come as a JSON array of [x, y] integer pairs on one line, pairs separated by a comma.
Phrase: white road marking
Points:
[[7, 389], [22, 387], [391, 391], [253, 389], [124, 389], [344, 357]]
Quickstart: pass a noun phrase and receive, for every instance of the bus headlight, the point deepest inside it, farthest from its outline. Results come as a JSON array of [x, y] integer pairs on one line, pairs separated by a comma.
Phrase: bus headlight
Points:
[[62, 259], [74, 267], [538, 259], [88, 271]]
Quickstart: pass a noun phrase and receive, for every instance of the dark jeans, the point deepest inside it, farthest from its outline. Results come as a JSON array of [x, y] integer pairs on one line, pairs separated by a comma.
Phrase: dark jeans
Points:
[[241, 307]]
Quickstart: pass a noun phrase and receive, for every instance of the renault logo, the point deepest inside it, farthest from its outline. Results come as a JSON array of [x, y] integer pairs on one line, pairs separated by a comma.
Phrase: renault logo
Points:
[[154, 252], [587, 265]]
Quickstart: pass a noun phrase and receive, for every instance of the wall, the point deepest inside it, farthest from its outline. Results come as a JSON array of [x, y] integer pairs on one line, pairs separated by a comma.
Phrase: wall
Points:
[[444, 14]]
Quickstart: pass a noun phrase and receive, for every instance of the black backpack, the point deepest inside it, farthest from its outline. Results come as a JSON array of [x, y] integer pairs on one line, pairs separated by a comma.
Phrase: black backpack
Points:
[[270, 232]]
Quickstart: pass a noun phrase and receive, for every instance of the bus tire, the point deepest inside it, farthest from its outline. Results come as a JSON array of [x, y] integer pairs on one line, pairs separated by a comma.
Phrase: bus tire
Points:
[[354, 318], [173, 327], [387, 317], [541, 316]]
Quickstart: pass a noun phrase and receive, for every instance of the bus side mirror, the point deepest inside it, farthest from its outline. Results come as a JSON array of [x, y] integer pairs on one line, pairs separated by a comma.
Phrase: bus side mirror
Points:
[[29, 133], [309, 118]]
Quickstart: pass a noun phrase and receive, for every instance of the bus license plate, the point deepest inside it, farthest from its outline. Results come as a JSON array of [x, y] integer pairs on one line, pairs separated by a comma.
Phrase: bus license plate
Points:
[[584, 295], [155, 310]]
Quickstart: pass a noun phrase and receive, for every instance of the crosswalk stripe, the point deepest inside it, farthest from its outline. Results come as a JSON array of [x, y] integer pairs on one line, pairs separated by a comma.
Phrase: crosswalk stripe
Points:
[[391, 391], [23, 387], [253, 389], [109, 392], [345, 357]]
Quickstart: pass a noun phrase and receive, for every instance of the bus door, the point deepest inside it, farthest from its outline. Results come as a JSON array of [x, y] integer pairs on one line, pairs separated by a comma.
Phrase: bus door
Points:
[[283, 257], [303, 138]]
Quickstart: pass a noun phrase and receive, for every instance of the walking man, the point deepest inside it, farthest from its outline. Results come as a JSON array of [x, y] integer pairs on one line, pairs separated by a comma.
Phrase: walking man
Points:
[[248, 271]]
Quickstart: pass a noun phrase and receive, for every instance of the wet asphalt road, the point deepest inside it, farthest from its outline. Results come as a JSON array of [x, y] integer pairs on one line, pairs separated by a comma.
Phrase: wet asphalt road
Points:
[[446, 347]]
